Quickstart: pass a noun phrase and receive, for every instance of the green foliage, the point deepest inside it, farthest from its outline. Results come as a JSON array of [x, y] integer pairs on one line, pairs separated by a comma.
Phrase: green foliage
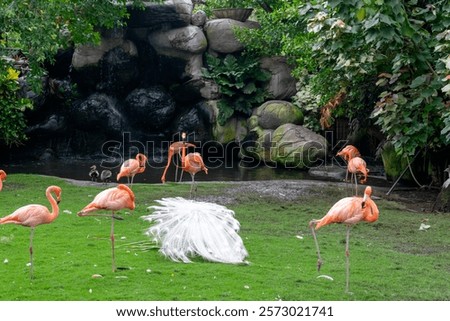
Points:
[[405, 45], [241, 83], [308, 103], [12, 106], [210, 5]]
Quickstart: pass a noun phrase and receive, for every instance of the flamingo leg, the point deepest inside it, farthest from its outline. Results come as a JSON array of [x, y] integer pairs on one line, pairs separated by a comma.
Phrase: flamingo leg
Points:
[[356, 185], [192, 185], [31, 252], [346, 181], [176, 169], [112, 244], [347, 254], [181, 174], [132, 178], [312, 225]]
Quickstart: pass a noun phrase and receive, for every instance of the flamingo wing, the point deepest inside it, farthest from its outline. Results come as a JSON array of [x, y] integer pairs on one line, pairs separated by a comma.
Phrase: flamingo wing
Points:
[[347, 210], [28, 215], [114, 199]]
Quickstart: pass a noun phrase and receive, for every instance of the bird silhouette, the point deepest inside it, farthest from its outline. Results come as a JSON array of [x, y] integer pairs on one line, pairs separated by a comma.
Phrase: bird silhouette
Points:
[[349, 211], [2, 178], [356, 166], [112, 199], [105, 176], [191, 163], [174, 149], [93, 173], [131, 167], [34, 214]]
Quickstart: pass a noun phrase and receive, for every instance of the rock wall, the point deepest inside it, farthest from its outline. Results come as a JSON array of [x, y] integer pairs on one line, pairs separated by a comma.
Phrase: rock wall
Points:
[[144, 84]]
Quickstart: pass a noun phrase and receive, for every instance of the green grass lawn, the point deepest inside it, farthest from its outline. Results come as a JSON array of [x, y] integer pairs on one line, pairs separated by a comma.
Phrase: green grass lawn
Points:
[[390, 259]]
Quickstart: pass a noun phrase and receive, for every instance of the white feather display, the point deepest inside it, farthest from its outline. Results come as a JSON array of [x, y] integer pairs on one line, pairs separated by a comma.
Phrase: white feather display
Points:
[[187, 228]]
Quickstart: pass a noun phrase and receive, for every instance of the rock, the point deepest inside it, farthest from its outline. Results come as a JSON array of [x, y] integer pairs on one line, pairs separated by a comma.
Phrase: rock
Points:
[[297, 146], [291, 146], [181, 42], [275, 113], [119, 72], [198, 19], [234, 130], [149, 108], [98, 113], [183, 8], [257, 144], [281, 85], [195, 122], [187, 43], [156, 16], [220, 34]]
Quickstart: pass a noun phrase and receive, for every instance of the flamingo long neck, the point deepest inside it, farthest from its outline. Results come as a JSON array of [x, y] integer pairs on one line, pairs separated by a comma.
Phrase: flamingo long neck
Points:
[[53, 203]]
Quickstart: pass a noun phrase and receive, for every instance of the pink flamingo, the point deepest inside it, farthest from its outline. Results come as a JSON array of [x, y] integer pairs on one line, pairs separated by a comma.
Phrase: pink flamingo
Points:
[[191, 163], [112, 199], [34, 214], [131, 167], [174, 148], [357, 165], [2, 178], [349, 211]]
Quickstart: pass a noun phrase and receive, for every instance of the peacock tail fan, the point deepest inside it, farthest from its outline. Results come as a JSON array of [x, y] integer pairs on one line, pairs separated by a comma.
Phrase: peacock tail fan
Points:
[[188, 228]]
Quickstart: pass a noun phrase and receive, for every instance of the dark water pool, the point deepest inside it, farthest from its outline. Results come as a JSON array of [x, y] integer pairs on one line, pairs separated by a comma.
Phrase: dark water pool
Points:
[[79, 169]]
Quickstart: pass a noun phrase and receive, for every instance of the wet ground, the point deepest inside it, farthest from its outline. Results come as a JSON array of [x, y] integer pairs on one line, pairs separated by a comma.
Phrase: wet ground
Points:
[[266, 181]]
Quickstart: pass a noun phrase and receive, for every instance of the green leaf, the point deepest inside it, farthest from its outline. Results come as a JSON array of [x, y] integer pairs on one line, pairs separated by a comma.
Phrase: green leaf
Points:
[[418, 81], [361, 14]]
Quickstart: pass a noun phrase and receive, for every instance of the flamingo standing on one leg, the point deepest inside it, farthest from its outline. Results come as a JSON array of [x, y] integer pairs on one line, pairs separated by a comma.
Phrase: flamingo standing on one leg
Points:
[[2, 178], [174, 148], [349, 211], [191, 163], [34, 214], [131, 167], [357, 165], [113, 199]]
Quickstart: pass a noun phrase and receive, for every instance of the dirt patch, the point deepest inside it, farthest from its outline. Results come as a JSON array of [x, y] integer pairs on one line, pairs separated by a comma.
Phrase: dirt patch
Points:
[[415, 200]]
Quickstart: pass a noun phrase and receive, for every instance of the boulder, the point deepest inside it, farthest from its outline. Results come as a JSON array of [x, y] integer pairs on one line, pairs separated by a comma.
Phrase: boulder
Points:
[[151, 108], [157, 16], [275, 113], [119, 72], [187, 43], [291, 146], [234, 130], [220, 34], [297, 146], [98, 113], [194, 121], [257, 145], [199, 18], [282, 85], [181, 42]]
